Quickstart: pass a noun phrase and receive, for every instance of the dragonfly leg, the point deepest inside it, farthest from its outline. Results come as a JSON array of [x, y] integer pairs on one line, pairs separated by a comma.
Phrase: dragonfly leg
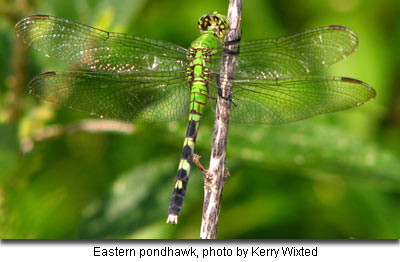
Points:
[[234, 41], [226, 97], [230, 52], [228, 45]]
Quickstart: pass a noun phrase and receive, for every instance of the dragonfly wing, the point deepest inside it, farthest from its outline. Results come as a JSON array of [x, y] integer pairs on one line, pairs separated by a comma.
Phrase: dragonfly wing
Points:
[[291, 99], [98, 50], [294, 55], [137, 97]]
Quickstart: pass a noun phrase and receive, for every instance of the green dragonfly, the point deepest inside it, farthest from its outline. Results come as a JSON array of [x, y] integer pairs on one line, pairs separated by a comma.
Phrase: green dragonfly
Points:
[[140, 80]]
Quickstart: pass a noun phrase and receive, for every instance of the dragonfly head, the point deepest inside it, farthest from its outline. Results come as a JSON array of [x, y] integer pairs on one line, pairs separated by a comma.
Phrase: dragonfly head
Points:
[[214, 23]]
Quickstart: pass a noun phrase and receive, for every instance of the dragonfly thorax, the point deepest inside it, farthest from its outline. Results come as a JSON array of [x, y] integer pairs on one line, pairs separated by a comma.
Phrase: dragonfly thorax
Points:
[[214, 23], [197, 67]]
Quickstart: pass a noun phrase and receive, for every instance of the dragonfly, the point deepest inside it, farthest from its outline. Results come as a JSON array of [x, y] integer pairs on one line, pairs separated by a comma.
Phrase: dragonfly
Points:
[[140, 80]]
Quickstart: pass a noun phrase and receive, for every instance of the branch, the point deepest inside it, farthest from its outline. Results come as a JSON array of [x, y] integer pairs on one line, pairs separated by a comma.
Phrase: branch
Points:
[[217, 173], [15, 96], [87, 125], [196, 160]]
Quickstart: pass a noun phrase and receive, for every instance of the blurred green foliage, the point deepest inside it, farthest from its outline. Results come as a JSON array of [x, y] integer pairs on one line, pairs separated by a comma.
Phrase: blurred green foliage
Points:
[[332, 176]]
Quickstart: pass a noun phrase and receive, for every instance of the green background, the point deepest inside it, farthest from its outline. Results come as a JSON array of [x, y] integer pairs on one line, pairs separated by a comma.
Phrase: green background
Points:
[[331, 176]]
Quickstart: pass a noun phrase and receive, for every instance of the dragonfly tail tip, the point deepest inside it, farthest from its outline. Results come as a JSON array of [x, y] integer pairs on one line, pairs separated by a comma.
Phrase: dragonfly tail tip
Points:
[[172, 219]]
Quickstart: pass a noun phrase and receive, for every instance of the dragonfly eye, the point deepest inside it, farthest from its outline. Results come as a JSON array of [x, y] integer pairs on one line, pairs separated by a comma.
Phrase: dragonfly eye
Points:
[[216, 23]]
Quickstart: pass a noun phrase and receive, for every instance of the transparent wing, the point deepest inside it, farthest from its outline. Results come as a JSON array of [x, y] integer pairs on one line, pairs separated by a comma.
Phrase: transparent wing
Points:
[[291, 99], [294, 55], [98, 50], [136, 97]]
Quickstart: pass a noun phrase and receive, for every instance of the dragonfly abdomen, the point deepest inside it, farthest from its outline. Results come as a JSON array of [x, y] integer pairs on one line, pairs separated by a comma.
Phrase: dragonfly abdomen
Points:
[[197, 75]]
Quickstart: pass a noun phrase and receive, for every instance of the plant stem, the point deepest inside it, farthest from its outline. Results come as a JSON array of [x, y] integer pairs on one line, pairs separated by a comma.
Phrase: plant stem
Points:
[[217, 173]]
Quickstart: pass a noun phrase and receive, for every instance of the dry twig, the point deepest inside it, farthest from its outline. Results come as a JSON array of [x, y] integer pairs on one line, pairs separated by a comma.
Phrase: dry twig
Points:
[[217, 173]]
